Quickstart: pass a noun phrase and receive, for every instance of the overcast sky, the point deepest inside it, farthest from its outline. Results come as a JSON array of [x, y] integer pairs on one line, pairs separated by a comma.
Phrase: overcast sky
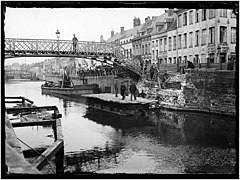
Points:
[[87, 23]]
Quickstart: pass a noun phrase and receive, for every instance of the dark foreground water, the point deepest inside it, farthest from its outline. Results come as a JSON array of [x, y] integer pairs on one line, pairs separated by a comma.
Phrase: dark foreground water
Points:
[[172, 143]]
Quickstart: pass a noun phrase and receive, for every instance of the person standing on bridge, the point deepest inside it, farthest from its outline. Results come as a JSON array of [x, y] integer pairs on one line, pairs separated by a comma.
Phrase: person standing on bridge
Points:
[[75, 41]]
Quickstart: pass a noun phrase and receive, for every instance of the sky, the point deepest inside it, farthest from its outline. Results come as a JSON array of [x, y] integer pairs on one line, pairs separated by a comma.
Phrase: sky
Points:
[[88, 24]]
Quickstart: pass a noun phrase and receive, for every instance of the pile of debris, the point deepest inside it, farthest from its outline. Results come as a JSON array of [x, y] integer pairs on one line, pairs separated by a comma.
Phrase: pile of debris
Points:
[[150, 88]]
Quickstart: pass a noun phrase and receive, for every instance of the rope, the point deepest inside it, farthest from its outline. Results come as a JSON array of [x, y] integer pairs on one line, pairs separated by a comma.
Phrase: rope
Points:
[[38, 154]]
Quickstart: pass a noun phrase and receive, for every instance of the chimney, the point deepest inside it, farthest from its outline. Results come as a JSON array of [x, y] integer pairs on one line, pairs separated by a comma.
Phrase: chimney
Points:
[[112, 33], [101, 38], [136, 22], [147, 19], [122, 30]]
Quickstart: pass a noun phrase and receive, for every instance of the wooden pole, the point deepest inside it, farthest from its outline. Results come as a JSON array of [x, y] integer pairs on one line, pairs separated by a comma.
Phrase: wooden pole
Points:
[[59, 157]]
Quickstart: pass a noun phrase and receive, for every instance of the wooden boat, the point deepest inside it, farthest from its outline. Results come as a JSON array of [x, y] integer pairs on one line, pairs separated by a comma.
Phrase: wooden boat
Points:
[[73, 91], [66, 87]]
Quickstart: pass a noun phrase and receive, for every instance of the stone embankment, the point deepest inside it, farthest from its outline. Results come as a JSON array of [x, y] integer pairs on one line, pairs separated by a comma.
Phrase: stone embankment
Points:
[[203, 90]]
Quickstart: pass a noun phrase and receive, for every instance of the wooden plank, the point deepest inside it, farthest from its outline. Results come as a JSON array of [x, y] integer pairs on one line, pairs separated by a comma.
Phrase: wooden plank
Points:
[[19, 110], [59, 130], [48, 153], [33, 123], [20, 97], [28, 100], [13, 101]]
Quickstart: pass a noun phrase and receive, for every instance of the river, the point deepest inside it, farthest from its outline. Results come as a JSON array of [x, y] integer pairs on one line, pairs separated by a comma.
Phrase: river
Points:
[[172, 143]]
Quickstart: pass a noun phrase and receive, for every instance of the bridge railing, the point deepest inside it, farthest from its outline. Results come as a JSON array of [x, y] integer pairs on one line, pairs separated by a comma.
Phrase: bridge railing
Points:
[[60, 47], [48, 45], [128, 59]]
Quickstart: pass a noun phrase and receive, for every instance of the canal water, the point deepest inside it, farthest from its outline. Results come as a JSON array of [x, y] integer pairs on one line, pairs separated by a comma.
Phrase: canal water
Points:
[[170, 142]]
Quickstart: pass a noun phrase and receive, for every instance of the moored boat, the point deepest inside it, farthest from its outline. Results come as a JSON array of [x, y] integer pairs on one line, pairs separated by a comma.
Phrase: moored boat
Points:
[[66, 87], [73, 91]]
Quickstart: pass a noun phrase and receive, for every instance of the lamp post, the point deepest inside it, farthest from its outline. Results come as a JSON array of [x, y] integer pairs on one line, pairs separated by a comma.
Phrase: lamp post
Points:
[[58, 37], [220, 61]]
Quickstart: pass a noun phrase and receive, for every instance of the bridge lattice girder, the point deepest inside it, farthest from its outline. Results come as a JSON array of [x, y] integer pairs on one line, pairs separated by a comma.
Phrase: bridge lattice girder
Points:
[[64, 48]]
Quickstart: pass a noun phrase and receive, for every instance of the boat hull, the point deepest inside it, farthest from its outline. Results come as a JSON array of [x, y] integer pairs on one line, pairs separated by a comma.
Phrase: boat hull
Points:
[[73, 91]]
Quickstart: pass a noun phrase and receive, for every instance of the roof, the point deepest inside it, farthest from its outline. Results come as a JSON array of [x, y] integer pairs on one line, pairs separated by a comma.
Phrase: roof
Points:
[[126, 34], [156, 20]]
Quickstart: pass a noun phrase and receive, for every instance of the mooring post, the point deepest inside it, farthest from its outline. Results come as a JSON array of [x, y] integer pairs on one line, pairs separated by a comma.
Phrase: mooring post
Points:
[[59, 160]]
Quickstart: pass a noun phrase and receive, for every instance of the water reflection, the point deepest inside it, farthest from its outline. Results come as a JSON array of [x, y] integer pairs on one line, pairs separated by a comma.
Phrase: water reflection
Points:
[[168, 142]]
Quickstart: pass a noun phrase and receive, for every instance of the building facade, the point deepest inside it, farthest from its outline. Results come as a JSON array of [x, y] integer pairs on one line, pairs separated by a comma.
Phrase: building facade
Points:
[[196, 35], [203, 35]]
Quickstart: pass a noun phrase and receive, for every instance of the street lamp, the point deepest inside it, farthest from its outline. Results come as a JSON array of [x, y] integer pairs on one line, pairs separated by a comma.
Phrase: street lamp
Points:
[[220, 61], [58, 37]]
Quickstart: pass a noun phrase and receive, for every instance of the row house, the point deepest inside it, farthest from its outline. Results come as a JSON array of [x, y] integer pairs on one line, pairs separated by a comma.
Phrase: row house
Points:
[[202, 35], [124, 38], [159, 38], [142, 42]]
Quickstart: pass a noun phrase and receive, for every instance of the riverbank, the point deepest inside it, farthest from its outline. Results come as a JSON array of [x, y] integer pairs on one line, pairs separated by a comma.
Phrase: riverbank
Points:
[[200, 90]]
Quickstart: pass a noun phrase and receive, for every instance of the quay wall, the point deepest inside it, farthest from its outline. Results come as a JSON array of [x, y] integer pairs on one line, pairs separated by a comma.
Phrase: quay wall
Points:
[[201, 90]]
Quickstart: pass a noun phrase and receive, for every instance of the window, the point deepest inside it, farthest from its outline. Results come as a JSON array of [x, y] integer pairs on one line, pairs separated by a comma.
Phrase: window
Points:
[[197, 38], [153, 54], [142, 49], [190, 17], [185, 19], [211, 58], [165, 60], [223, 34], [233, 15], [174, 60], [190, 39], [156, 43], [197, 16], [211, 13], [179, 42], [185, 59], [204, 14], [174, 42], [212, 35], [156, 54], [146, 49], [161, 45], [170, 60], [165, 44], [152, 43], [204, 36], [223, 12], [179, 20], [169, 43], [233, 35], [185, 41]]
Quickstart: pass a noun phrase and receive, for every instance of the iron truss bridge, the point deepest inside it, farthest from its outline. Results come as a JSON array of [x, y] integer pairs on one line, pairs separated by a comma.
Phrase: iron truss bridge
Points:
[[105, 52]]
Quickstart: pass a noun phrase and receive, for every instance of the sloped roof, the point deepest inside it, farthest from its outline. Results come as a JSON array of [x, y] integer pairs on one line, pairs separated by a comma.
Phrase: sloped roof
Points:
[[126, 34], [156, 20]]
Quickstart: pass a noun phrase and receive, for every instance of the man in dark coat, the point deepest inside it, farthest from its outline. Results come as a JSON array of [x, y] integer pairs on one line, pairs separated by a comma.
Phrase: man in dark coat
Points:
[[133, 91], [116, 89], [75, 41], [123, 90]]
